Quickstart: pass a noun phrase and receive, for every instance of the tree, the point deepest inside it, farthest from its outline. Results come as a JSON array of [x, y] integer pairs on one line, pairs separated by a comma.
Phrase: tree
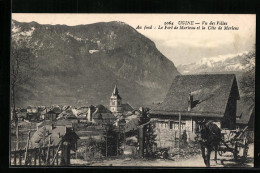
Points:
[[149, 137], [247, 82], [111, 141], [93, 147], [22, 64]]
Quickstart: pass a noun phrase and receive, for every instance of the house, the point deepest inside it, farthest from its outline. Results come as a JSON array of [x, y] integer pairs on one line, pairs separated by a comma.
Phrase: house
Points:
[[67, 114], [66, 123], [246, 118], [67, 118], [21, 114], [82, 111], [31, 109], [90, 112], [51, 115], [32, 113], [194, 98], [41, 108], [245, 115], [103, 116], [56, 110], [84, 114], [42, 111]]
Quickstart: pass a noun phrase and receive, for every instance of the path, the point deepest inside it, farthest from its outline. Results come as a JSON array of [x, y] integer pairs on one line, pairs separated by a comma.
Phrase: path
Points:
[[195, 161]]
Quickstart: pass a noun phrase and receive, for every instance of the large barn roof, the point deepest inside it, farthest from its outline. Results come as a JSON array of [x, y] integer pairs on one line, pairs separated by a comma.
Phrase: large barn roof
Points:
[[210, 94]]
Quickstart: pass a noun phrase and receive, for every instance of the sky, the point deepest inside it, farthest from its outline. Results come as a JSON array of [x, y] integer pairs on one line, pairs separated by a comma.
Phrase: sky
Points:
[[180, 46]]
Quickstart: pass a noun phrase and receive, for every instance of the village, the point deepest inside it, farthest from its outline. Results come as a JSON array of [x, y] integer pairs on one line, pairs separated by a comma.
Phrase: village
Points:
[[122, 135]]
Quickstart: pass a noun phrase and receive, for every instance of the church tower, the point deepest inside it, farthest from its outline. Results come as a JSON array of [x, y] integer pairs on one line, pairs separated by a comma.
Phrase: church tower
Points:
[[115, 102]]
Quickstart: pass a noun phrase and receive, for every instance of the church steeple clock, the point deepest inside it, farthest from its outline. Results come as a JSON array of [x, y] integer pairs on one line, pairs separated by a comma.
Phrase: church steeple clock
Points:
[[115, 101]]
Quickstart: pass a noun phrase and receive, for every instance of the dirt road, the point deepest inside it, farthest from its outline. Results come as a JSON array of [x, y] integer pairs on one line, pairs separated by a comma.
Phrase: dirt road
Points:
[[225, 160]]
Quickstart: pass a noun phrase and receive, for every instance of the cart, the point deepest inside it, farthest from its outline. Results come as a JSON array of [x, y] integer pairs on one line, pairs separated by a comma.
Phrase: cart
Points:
[[234, 141]]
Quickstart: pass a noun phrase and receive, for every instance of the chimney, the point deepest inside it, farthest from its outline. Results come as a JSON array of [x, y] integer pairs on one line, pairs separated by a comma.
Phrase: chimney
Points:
[[90, 112], [141, 109], [88, 115], [190, 101]]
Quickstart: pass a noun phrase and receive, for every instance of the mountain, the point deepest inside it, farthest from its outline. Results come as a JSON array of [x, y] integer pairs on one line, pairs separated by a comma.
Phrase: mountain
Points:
[[230, 63], [79, 65]]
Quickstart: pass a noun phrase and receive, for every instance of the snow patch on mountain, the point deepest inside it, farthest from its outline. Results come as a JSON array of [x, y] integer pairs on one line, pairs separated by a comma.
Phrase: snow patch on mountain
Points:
[[220, 63], [18, 34], [15, 29], [210, 61], [77, 38]]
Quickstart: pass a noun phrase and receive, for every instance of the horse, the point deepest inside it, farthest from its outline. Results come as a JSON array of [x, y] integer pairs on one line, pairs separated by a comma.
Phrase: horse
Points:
[[209, 137]]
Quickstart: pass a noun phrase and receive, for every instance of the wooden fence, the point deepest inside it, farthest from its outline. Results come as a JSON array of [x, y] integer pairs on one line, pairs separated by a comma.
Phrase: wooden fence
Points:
[[46, 156]]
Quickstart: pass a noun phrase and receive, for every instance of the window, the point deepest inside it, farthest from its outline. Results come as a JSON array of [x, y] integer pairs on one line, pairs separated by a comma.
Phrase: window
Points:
[[113, 103], [171, 124], [175, 125], [183, 125], [162, 124]]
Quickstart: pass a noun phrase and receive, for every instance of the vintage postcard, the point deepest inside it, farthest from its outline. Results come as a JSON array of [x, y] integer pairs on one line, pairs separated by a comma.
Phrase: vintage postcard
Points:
[[141, 90]]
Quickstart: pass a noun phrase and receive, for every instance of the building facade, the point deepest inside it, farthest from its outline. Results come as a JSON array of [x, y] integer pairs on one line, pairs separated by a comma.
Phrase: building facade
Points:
[[194, 98]]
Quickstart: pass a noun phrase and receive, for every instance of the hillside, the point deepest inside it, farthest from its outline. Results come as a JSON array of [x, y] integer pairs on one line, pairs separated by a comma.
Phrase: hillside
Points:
[[79, 65]]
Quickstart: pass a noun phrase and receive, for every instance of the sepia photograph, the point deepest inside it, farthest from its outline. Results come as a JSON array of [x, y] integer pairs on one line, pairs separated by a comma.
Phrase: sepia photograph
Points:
[[132, 90]]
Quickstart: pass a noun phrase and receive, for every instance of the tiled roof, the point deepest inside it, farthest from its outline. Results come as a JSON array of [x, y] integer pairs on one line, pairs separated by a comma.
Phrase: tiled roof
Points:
[[104, 116], [102, 112], [127, 107], [63, 122], [102, 109], [67, 114]]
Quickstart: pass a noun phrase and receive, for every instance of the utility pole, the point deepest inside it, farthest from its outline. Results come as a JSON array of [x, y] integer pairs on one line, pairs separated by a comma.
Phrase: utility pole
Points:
[[106, 142], [124, 138], [118, 138], [179, 131]]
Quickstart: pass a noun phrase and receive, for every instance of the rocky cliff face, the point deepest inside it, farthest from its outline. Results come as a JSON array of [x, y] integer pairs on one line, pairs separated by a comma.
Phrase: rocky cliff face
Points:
[[79, 65]]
